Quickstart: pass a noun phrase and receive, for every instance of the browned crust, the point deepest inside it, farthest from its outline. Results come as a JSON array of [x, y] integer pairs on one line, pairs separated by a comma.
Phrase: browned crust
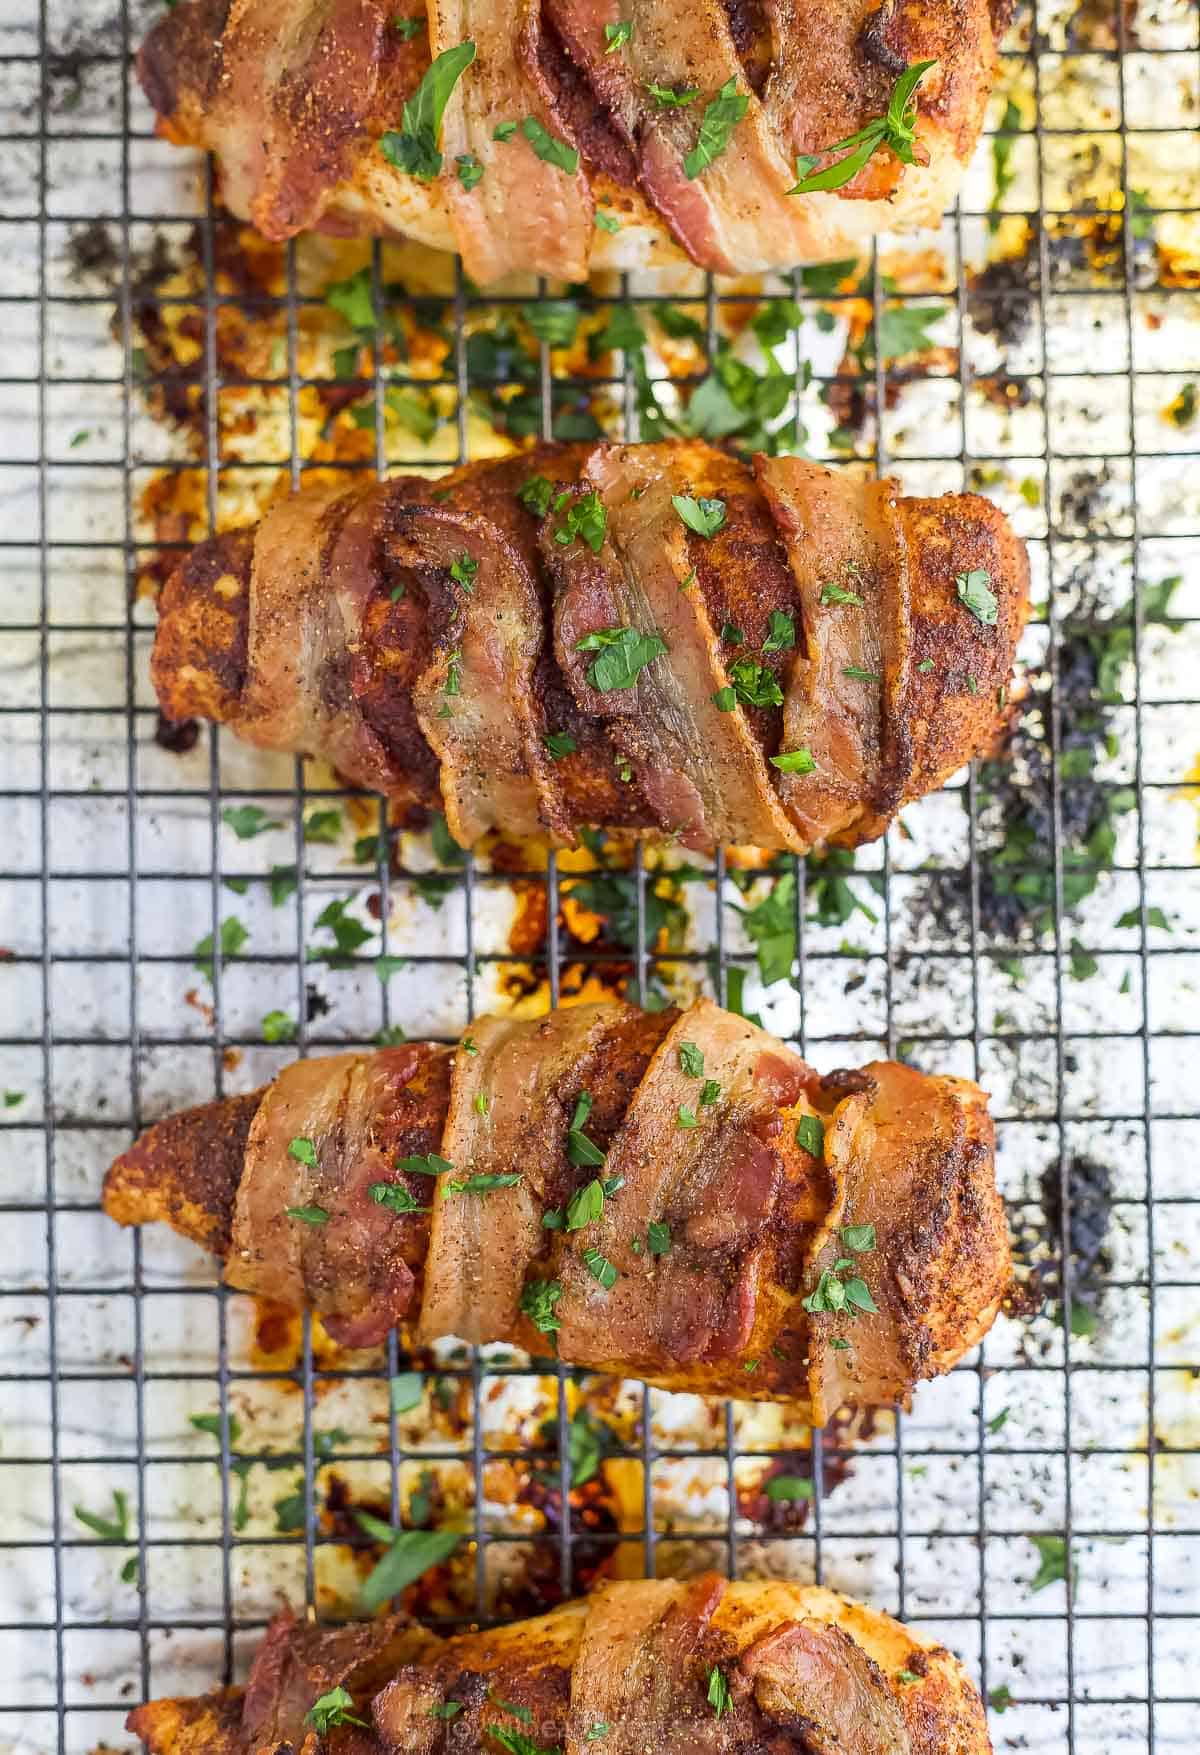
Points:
[[184, 1171]]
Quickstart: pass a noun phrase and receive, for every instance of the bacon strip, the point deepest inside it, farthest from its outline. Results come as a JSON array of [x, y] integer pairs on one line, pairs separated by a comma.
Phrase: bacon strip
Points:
[[508, 1114], [702, 769], [475, 702], [348, 1264], [841, 538], [525, 214], [904, 1158]]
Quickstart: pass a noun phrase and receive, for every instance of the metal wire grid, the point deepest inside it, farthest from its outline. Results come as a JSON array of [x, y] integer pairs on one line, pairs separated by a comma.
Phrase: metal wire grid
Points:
[[1060, 1717]]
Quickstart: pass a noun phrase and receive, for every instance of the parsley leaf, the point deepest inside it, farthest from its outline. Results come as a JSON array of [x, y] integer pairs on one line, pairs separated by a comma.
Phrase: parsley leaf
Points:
[[719, 1697], [783, 1489], [618, 34], [600, 1268], [538, 1298], [469, 169], [623, 654], [587, 518], [536, 494], [393, 1195], [233, 936], [782, 634], [585, 1206], [720, 118], [810, 1135], [581, 1151], [549, 148], [248, 820], [555, 322], [323, 826], [560, 744], [308, 1215], [114, 1529], [667, 98], [332, 1708], [278, 1026], [658, 1238], [430, 1165], [793, 762], [414, 148], [975, 590], [408, 28], [895, 130], [410, 1553], [705, 517], [691, 1060]]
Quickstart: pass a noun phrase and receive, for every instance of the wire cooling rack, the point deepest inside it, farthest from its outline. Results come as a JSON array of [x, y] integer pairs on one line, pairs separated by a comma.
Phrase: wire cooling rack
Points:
[[172, 1459]]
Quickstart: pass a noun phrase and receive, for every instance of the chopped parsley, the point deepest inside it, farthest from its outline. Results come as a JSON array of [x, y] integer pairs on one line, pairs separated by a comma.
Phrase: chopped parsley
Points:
[[691, 1060], [794, 762], [406, 1391], [447, 1709], [469, 169], [782, 634], [607, 222], [538, 1298], [721, 117], [581, 1151], [430, 1165], [710, 1090], [856, 673], [549, 148], [784, 1489], [408, 28], [1052, 1561], [586, 518], [481, 1182], [1000, 1699], [308, 1215], [705, 517], [719, 1697], [504, 131], [332, 1708], [414, 146], [248, 820], [833, 593], [303, 1151], [600, 1268], [667, 98], [232, 936], [752, 684], [536, 495], [278, 1026], [896, 130], [732, 636], [585, 1206], [322, 827], [623, 654], [859, 1238], [560, 744], [975, 590], [463, 571], [114, 1529], [407, 1554], [617, 35], [391, 1194], [687, 1117], [658, 1238], [810, 1135]]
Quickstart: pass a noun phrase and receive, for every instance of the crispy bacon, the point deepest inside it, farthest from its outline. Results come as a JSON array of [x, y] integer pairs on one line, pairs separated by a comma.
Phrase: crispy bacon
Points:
[[305, 1225], [669, 1217], [701, 1667], [294, 96], [339, 629]]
